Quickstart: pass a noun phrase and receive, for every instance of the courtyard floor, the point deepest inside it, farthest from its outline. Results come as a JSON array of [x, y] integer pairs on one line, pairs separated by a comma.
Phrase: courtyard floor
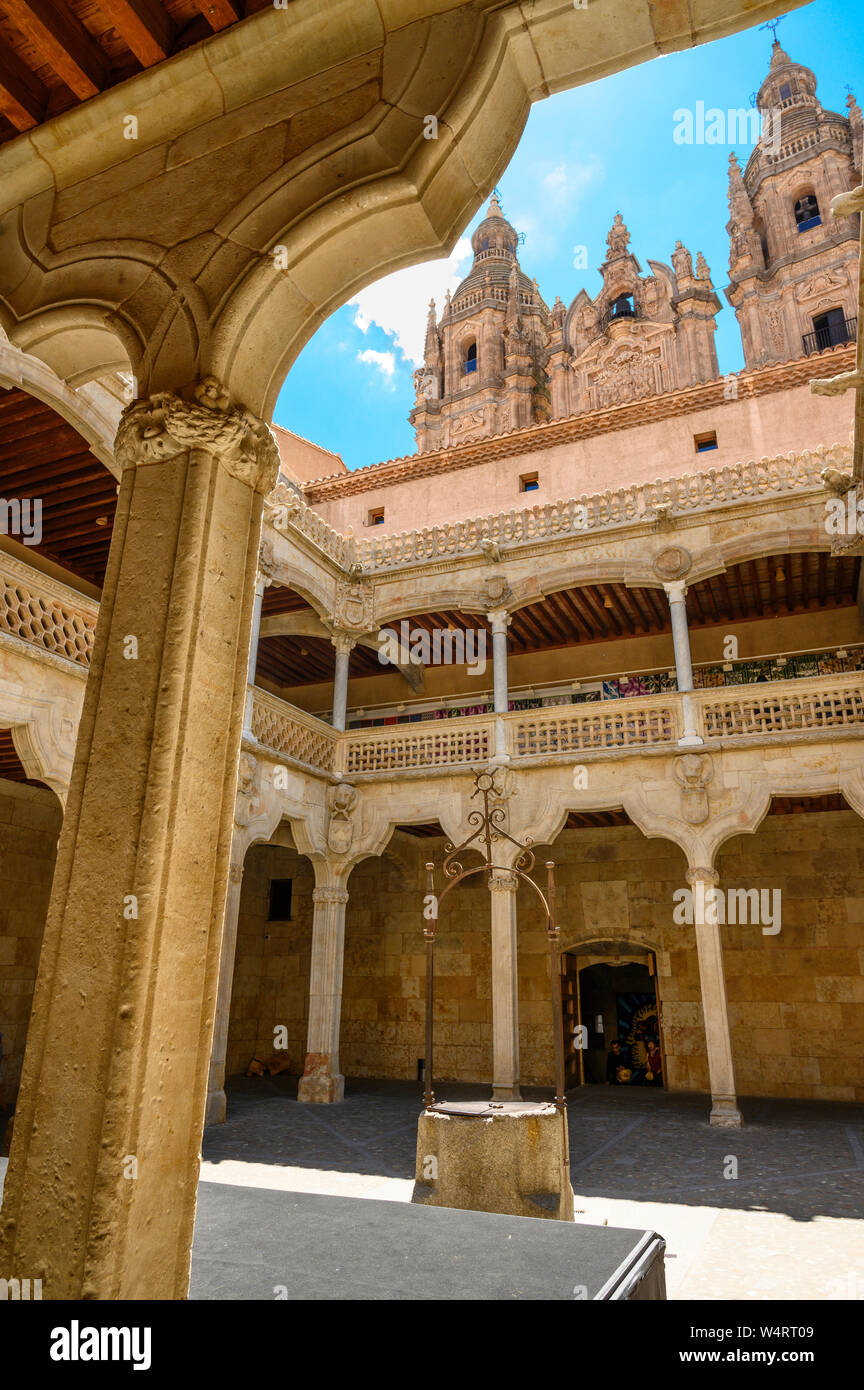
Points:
[[789, 1225]]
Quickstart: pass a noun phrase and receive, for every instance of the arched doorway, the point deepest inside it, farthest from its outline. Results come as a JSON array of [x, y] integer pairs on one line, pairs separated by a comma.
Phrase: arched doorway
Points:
[[610, 996]]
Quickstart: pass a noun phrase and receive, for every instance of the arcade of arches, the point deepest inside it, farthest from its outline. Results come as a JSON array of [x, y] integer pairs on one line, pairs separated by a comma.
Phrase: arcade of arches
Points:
[[189, 666]]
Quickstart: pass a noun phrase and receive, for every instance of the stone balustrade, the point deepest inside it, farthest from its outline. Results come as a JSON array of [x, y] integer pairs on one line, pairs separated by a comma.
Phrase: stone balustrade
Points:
[[785, 473], [298, 736], [45, 613], [821, 705]]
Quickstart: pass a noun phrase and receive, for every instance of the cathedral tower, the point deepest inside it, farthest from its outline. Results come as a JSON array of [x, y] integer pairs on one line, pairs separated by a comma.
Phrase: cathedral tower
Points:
[[482, 371], [793, 269]]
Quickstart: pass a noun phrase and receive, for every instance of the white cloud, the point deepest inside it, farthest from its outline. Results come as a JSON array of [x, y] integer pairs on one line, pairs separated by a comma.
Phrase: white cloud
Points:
[[398, 304], [567, 182], [384, 361]]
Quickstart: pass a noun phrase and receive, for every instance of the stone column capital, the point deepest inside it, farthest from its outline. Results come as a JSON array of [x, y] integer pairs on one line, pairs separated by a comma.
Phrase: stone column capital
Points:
[[235, 873], [164, 425], [700, 874], [503, 883], [330, 895], [343, 641], [499, 620], [676, 590]]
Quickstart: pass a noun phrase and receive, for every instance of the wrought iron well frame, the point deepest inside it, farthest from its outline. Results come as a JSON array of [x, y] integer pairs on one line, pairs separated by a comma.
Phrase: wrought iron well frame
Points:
[[489, 824]]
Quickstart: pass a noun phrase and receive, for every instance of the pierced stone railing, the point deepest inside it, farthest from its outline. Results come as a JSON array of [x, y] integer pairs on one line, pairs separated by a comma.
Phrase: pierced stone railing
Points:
[[449, 743], [286, 511], [634, 724], [48, 615], [783, 707], [822, 704], [784, 473], [293, 733]]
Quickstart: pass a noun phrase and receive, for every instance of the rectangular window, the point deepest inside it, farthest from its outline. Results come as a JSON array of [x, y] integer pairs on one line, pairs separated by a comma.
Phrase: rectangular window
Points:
[[280, 900], [529, 482], [375, 517], [706, 441]]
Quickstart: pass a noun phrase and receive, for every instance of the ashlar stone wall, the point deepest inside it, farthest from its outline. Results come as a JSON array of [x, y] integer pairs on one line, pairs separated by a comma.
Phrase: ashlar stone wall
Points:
[[30, 819]]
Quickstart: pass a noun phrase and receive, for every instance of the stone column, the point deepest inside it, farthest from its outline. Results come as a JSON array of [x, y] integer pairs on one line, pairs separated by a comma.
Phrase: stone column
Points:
[[100, 1192], [500, 621], [260, 585], [321, 1082], [215, 1111], [344, 646], [676, 593], [505, 988], [712, 978]]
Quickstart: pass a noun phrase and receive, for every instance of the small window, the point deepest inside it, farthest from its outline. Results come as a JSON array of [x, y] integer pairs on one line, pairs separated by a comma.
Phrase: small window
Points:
[[471, 358], [807, 212], [706, 441], [375, 517], [529, 482], [280, 900], [785, 91]]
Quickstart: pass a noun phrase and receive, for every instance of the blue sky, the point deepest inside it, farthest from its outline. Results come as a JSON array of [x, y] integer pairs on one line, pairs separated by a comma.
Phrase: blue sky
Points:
[[584, 155]]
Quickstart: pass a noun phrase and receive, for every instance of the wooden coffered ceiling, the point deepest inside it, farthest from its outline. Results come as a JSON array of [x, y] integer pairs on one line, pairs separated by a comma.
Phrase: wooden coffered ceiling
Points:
[[42, 456], [56, 53]]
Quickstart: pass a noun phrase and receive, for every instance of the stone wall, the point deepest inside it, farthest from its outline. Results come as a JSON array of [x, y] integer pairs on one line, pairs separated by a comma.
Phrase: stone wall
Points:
[[30, 819], [796, 1000], [271, 967]]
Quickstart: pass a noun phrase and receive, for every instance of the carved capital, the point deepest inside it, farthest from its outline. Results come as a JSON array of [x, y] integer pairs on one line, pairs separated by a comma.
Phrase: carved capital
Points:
[[503, 883], [330, 896], [709, 877], [165, 425], [235, 873], [499, 620], [343, 641]]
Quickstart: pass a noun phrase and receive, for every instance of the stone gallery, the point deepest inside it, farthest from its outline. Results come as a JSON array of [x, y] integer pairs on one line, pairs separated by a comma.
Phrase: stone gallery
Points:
[[246, 694]]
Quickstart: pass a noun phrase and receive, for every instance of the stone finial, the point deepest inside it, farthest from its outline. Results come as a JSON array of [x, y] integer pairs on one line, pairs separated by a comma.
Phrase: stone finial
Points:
[[703, 270], [618, 238], [432, 348]]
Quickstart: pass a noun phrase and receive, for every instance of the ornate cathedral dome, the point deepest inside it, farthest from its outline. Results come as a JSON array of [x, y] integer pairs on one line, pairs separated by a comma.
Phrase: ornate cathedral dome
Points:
[[494, 243]]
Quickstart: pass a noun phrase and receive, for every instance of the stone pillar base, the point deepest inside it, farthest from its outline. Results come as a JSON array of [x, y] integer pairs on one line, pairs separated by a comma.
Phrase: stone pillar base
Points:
[[216, 1107], [506, 1092], [725, 1113], [318, 1085], [507, 1157]]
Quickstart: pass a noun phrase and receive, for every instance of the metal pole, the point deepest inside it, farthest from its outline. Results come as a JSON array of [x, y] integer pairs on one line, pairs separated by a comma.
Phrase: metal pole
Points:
[[555, 981], [429, 933]]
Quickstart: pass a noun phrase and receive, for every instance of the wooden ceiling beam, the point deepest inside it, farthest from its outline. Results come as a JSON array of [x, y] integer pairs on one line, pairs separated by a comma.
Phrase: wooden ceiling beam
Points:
[[23, 99], [144, 25], [65, 44], [584, 597], [220, 13], [565, 596]]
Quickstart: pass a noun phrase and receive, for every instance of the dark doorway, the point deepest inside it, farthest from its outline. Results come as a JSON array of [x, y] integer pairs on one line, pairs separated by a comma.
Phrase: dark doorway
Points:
[[610, 994]]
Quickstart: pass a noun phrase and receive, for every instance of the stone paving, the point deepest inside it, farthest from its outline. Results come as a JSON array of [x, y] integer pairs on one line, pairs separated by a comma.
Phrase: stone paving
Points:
[[788, 1225]]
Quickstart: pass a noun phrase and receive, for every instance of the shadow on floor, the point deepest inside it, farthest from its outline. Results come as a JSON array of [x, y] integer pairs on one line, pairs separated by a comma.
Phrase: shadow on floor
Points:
[[801, 1158]]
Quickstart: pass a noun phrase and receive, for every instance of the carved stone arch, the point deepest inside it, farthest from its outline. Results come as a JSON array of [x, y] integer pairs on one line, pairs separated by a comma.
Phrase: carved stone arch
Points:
[[94, 419], [44, 740]]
